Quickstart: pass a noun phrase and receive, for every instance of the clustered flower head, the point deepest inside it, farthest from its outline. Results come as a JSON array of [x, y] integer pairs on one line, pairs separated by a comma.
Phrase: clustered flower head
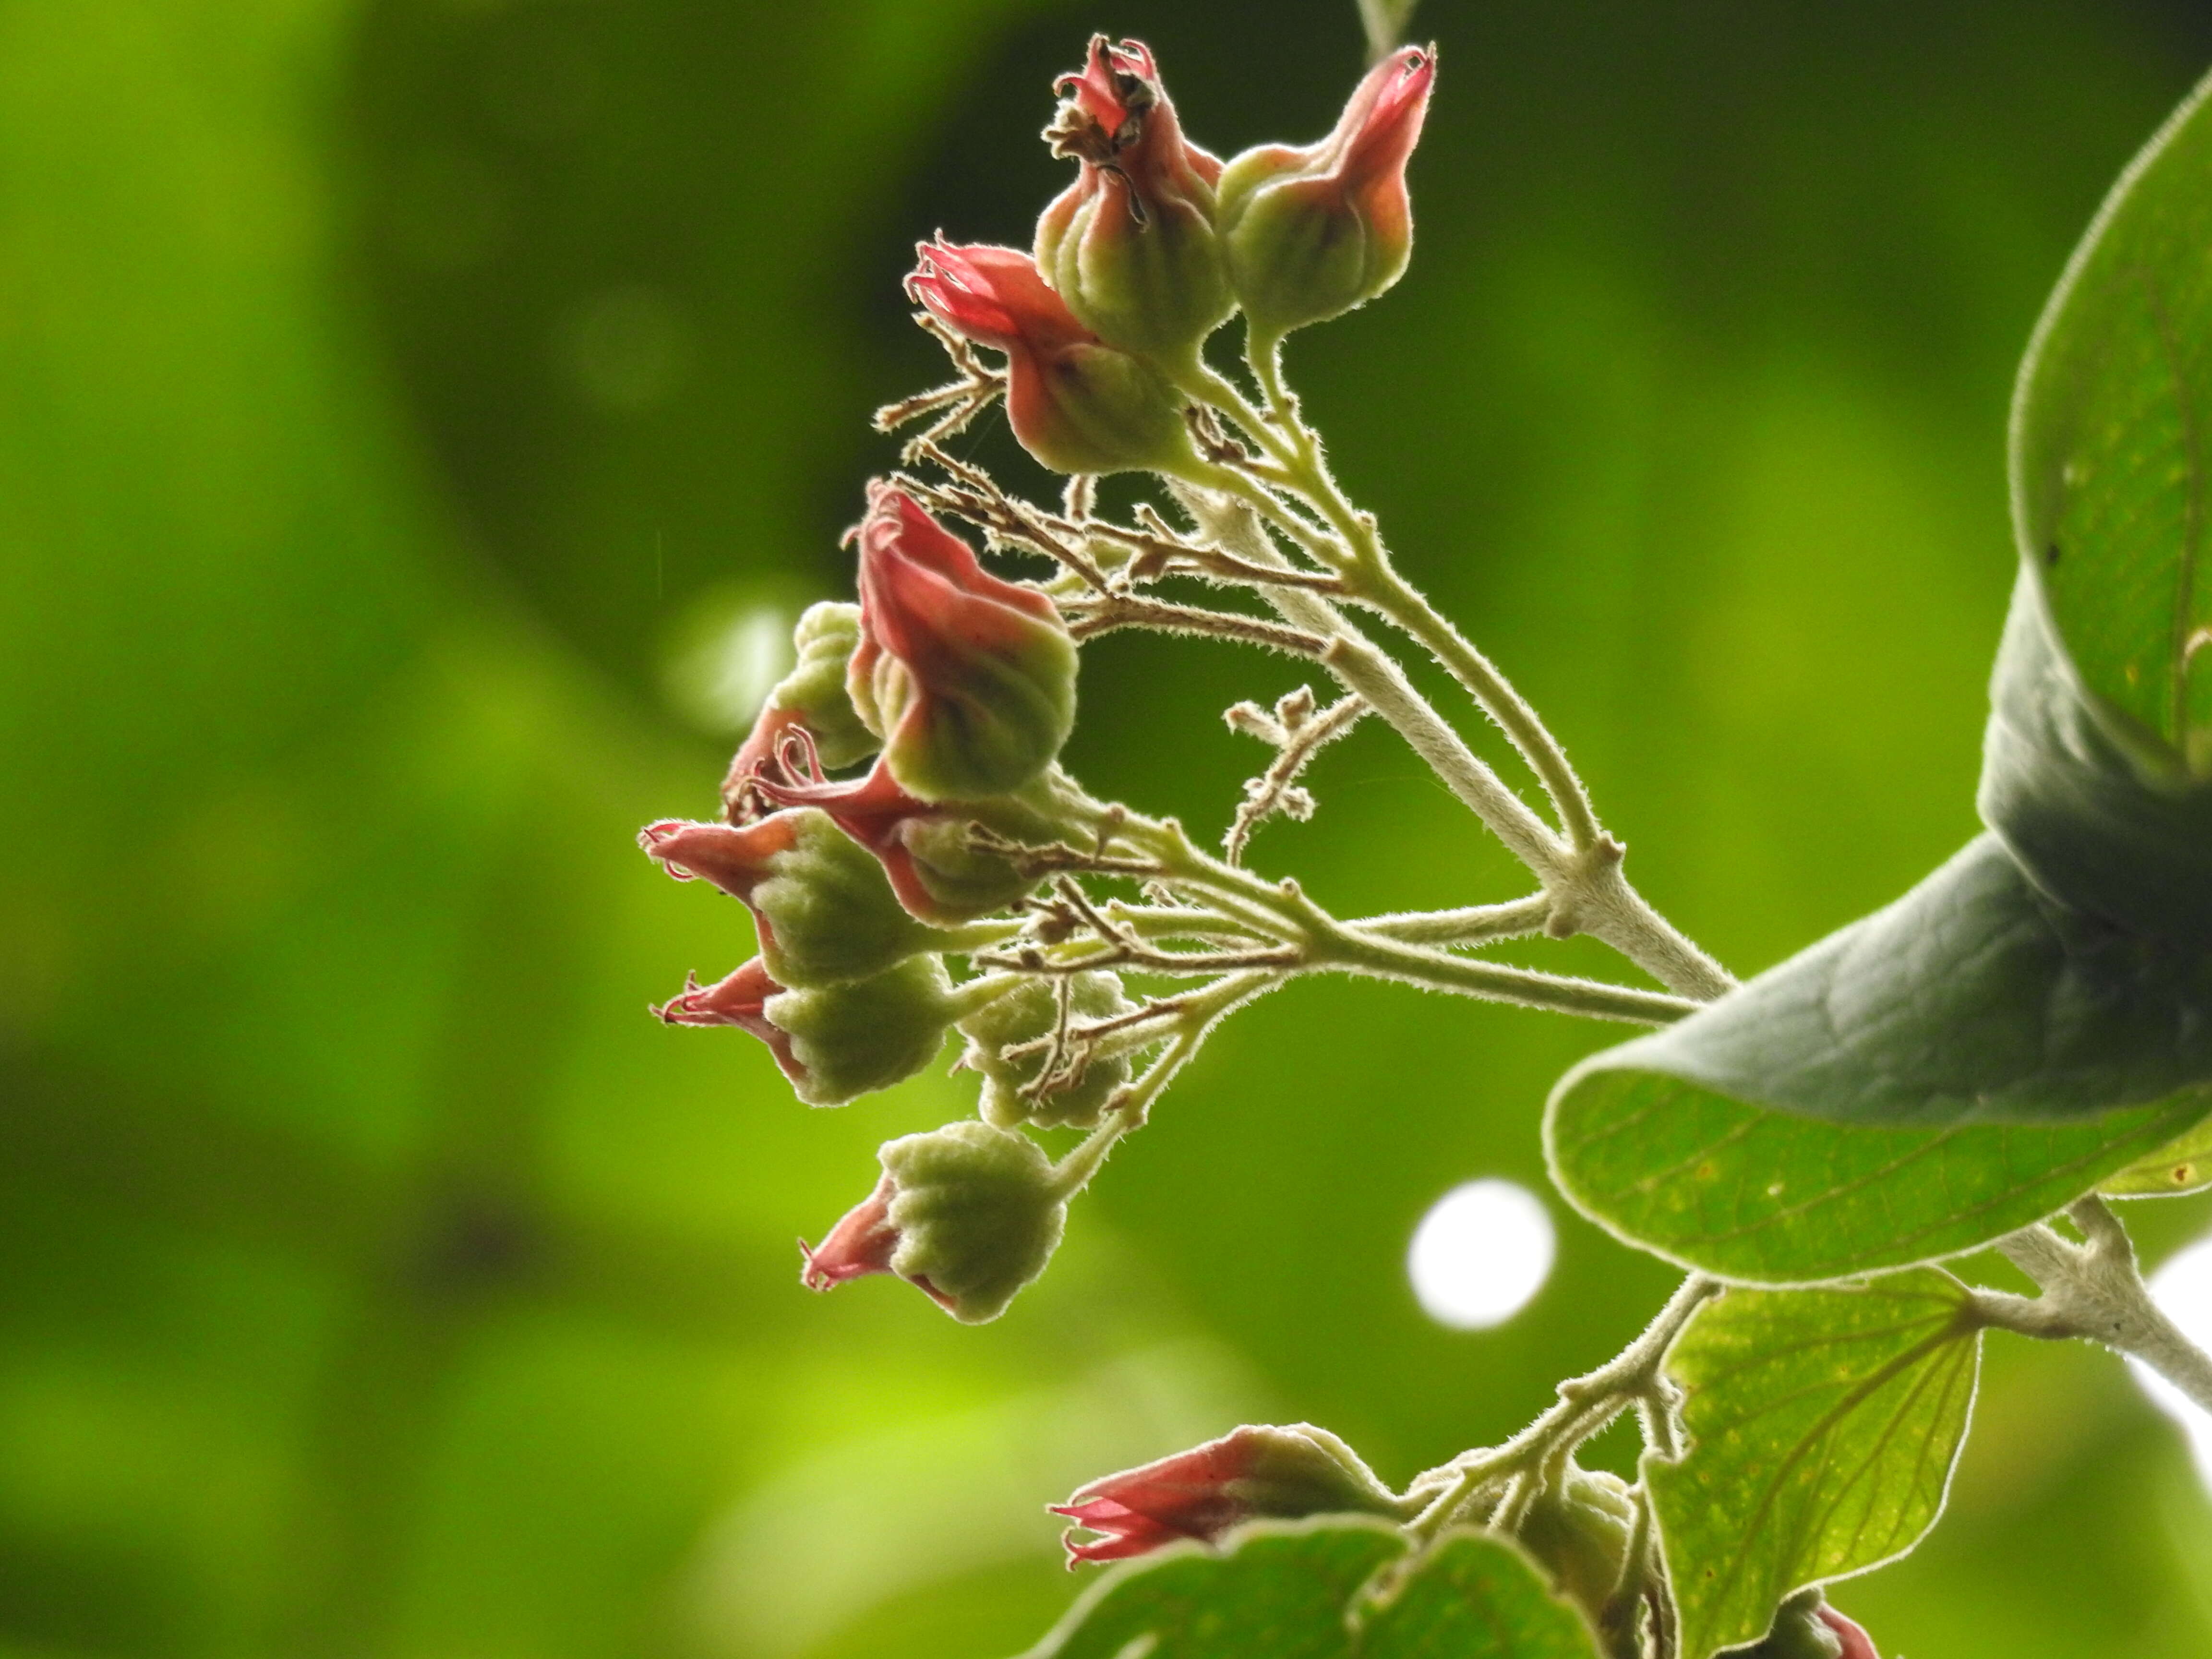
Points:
[[899, 800]]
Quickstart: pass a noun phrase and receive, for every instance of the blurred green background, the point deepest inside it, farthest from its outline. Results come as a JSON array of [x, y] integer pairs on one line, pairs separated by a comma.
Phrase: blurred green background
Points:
[[394, 394]]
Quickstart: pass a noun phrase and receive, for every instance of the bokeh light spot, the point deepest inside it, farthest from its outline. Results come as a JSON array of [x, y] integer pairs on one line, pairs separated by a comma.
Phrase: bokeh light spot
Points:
[[2182, 1286], [1480, 1254]]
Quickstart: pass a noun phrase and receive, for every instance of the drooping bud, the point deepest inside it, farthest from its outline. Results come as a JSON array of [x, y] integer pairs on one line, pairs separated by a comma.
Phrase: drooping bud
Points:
[[1250, 1472], [1578, 1532], [821, 902], [1807, 1627], [862, 1243], [1130, 244], [835, 1042], [1027, 1017], [812, 699], [1308, 234], [970, 679], [1076, 404], [928, 851], [967, 1213]]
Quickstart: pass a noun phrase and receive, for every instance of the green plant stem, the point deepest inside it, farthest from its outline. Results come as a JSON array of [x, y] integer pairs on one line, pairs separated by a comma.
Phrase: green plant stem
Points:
[[1377, 585], [1474, 924], [2095, 1291], [1134, 1102], [1586, 1405], [1589, 891], [1321, 942]]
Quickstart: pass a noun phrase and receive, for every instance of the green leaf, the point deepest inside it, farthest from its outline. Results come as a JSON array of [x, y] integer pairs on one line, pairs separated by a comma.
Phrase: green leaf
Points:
[[1475, 1597], [1823, 1426], [1973, 998], [2182, 1165], [1755, 1195], [2109, 425], [1293, 1591], [2102, 818], [2055, 971]]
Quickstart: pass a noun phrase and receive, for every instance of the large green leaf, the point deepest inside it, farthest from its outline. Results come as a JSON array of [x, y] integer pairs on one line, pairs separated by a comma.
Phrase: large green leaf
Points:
[[2108, 444], [1294, 1590], [2056, 970], [2104, 820], [1823, 1429], [1973, 998], [1768, 1197]]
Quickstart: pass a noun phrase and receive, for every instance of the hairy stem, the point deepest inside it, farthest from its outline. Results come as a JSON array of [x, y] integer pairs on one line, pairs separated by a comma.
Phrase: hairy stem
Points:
[[1586, 1405], [2095, 1291]]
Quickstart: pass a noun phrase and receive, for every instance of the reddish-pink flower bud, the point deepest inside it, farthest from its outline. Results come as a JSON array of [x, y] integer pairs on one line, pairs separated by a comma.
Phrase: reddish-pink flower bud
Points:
[[1077, 404], [1806, 1627], [968, 1214], [738, 999], [1309, 232], [970, 679], [735, 860], [1857, 1644], [822, 907], [1130, 244], [835, 1042], [863, 1243], [1250, 1472]]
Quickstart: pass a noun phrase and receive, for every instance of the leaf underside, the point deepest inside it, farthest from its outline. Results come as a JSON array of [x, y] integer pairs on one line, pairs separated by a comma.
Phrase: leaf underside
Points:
[[2036, 1016], [1823, 1427]]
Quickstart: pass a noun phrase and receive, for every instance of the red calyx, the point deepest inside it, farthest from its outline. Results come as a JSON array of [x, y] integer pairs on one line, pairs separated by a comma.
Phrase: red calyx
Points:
[[862, 1243], [1184, 1496], [738, 999]]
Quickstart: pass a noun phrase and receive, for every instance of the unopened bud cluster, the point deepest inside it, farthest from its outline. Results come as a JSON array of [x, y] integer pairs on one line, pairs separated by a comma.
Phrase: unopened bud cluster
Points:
[[885, 814], [1156, 243]]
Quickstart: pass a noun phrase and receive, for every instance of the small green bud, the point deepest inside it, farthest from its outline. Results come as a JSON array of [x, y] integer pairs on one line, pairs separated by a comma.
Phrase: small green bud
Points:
[[827, 911], [1578, 1532], [978, 1215], [1807, 1627], [812, 699], [1029, 1013], [824, 639], [850, 1040]]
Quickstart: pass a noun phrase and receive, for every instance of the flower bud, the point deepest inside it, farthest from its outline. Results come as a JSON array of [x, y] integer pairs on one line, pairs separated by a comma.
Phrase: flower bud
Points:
[[811, 698], [821, 902], [1029, 1014], [1579, 1530], [1308, 234], [970, 679], [1130, 244], [1250, 1472], [1077, 404], [835, 1042], [1807, 1627], [929, 851], [967, 1213]]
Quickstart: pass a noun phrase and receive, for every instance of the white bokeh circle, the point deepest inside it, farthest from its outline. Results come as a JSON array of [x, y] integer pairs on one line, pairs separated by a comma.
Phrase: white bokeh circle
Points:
[[1482, 1251]]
